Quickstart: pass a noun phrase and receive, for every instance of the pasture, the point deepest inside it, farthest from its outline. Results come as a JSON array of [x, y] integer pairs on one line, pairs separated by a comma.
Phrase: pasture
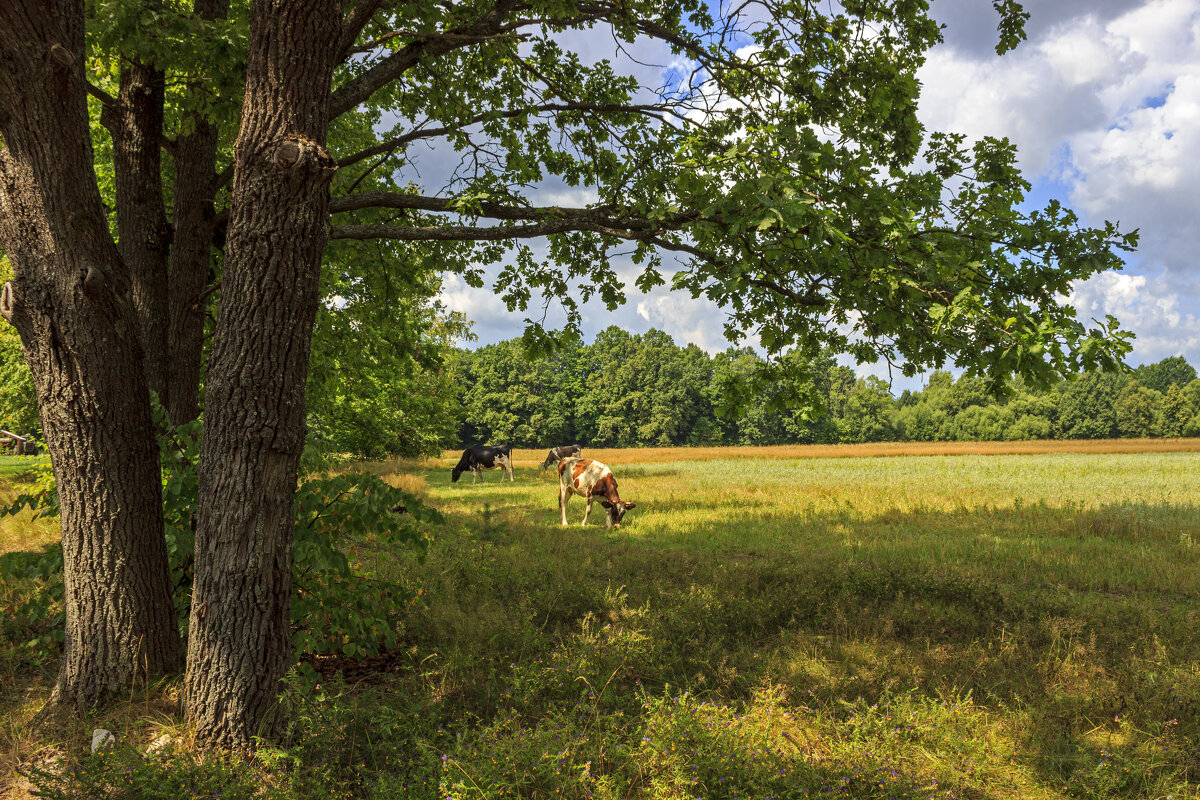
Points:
[[764, 624]]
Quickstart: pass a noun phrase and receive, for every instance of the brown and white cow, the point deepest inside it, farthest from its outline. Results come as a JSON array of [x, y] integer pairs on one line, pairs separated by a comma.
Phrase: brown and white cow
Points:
[[593, 481]]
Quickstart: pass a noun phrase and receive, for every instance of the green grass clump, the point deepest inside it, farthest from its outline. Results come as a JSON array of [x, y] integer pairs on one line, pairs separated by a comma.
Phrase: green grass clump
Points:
[[122, 773]]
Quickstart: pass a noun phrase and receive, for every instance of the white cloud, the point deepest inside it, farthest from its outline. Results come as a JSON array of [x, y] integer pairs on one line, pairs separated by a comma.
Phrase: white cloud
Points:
[[1165, 326], [688, 321], [1104, 101]]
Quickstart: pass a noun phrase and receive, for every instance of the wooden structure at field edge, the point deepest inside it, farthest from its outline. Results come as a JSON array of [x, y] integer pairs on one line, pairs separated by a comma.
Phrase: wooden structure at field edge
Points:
[[21, 445]]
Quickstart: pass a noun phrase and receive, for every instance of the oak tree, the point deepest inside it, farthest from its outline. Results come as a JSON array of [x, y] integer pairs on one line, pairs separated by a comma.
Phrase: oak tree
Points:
[[773, 163]]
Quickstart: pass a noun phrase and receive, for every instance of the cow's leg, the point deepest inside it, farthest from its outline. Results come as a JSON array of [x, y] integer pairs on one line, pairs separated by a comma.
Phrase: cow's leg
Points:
[[475, 476], [587, 511], [608, 514], [564, 495], [511, 479]]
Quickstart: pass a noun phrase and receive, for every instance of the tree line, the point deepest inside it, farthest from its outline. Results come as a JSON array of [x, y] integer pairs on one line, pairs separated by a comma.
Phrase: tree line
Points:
[[373, 394], [644, 390]]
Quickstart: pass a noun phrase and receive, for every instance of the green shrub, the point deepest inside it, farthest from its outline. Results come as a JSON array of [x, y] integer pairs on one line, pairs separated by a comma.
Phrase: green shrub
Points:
[[335, 607]]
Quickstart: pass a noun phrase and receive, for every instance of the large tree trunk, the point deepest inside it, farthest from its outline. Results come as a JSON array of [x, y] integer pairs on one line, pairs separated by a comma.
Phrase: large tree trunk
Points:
[[191, 253], [142, 231], [239, 640], [69, 300]]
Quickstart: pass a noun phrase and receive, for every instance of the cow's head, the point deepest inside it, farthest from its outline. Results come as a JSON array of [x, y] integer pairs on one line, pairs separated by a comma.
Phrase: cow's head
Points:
[[618, 510], [550, 459], [454, 474]]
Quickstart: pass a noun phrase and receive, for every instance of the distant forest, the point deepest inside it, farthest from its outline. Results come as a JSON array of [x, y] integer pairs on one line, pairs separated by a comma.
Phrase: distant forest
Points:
[[374, 396], [643, 390]]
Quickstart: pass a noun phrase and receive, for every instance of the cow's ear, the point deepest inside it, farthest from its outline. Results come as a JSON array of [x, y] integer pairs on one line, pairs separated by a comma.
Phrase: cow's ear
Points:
[[630, 505]]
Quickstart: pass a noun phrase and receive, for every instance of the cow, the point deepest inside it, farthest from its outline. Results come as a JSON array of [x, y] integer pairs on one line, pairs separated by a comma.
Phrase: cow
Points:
[[557, 454], [594, 481], [481, 457]]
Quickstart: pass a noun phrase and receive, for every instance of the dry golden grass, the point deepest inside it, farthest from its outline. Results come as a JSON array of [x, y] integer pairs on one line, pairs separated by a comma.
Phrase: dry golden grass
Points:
[[21, 532], [658, 455], [413, 484]]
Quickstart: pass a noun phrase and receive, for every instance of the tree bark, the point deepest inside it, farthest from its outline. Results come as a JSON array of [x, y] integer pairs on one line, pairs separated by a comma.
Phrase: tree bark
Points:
[[190, 269], [240, 643], [143, 234], [69, 300], [191, 253]]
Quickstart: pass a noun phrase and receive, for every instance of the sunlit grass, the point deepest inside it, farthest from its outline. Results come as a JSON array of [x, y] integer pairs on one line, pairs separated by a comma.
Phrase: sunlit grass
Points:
[[947, 626], [1053, 596], [650, 455]]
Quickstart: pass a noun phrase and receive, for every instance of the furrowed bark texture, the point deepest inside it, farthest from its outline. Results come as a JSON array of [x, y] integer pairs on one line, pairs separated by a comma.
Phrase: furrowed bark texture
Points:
[[239, 640], [142, 231], [69, 300], [191, 253], [191, 256]]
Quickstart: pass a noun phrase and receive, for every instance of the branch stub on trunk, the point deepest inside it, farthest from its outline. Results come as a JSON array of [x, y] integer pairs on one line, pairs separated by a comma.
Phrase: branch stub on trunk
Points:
[[62, 55], [287, 154], [93, 282], [303, 156], [6, 302]]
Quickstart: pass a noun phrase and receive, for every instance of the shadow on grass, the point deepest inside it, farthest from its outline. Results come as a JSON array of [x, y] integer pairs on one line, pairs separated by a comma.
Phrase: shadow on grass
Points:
[[994, 604]]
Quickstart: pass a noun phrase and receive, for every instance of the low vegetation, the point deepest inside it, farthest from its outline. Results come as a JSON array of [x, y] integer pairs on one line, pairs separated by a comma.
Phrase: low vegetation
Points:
[[959, 626]]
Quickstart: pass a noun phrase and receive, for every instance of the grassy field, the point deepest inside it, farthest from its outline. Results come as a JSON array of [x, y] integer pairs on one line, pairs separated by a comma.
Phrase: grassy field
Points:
[[780, 623]]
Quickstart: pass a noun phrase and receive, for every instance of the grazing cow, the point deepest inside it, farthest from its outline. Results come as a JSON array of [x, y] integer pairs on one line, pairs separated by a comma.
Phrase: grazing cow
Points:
[[482, 457], [594, 481], [557, 454]]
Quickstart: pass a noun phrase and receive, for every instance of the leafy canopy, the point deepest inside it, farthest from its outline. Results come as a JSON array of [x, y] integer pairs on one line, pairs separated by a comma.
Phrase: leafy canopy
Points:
[[765, 155]]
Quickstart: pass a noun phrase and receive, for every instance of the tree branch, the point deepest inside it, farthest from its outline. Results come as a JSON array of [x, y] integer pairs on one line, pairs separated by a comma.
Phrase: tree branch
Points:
[[363, 86], [648, 109], [450, 233], [582, 218], [353, 23]]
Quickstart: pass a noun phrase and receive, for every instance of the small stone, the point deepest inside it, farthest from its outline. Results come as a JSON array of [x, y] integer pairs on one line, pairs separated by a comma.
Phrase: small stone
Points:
[[102, 739], [161, 743]]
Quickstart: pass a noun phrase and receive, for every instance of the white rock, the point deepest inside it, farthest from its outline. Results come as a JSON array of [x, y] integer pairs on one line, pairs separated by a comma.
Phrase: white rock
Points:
[[161, 743], [102, 739]]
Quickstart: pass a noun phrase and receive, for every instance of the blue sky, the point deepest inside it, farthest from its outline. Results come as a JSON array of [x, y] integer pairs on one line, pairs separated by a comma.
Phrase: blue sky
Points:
[[1103, 103]]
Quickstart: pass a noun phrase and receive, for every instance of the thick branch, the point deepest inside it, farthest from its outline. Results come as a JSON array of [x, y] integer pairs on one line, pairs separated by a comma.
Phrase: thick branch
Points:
[[649, 109], [583, 218], [449, 233], [465, 233], [353, 24], [362, 87]]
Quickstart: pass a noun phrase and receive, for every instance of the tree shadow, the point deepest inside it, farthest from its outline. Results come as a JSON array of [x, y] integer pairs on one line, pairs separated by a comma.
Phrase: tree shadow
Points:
[[1016, 608]]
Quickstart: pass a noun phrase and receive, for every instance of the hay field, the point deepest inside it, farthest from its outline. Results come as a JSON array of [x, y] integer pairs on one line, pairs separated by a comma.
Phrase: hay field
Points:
[[645, 455], [765, 624], [967, 625]]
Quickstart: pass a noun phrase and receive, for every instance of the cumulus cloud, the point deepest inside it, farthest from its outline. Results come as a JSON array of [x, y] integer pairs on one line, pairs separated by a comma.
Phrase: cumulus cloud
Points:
[[699, 322], [1164, 319], [1104, 102]]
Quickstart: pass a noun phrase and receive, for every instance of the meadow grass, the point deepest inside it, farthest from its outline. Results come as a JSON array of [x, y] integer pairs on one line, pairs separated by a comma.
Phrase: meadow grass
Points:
[[951, 626], [645, 455]]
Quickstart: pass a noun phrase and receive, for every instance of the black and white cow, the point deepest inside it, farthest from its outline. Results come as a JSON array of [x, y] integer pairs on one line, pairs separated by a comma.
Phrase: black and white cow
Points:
[[482, 457], [557, 454]]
